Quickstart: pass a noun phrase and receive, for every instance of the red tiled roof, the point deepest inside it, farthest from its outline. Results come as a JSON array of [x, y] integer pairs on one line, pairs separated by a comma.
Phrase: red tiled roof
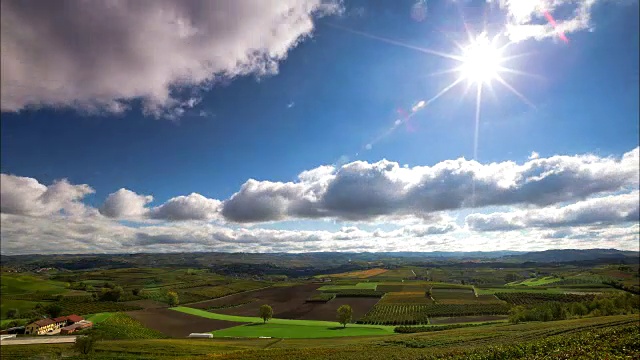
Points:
[[74, 318], [60, 319], [78, 326], [44, 322]]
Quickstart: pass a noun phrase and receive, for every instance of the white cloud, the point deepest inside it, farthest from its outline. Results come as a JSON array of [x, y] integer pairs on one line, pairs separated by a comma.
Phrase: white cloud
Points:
[[126, 204], [26, 196], [367, 191], [524, 17], [98, 55], [614, 209], [191, 207]]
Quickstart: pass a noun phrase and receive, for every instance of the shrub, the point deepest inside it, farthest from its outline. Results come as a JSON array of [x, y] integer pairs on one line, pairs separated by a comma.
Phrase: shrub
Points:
[[84, 344], [13, 314]]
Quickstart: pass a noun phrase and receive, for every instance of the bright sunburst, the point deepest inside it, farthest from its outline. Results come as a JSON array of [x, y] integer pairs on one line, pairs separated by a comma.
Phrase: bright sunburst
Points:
[[481, 61]]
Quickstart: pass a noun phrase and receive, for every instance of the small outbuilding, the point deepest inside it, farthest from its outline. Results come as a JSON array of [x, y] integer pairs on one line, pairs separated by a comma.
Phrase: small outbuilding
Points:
[[201, 335]]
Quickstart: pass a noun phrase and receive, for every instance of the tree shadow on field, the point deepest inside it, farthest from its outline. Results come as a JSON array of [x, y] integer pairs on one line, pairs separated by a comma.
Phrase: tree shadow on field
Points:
[[256, 324], [337, 328]]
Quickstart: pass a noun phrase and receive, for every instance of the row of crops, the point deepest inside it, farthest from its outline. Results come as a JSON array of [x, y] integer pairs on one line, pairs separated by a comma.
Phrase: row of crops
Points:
[[382, 314], [321, 297], [94, 307], [396, 315], [195, 294], [530, 298]]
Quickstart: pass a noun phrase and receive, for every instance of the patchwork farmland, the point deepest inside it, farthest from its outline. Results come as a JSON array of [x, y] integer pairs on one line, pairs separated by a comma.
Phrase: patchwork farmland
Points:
[[383, 306]]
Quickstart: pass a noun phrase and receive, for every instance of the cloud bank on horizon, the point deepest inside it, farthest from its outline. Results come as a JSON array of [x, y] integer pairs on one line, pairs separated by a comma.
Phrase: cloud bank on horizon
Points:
[[593, 198]]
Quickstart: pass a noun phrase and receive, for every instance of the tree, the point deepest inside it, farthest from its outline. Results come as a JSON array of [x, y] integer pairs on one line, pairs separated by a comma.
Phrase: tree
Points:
[[345, 313], [111, 294], [13, 314], [54, 310], [172, 298], [516, 314], [266, 312], [84, 344]]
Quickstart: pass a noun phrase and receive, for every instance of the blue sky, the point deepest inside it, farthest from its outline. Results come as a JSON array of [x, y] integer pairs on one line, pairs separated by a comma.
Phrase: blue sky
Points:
[[334, 91]]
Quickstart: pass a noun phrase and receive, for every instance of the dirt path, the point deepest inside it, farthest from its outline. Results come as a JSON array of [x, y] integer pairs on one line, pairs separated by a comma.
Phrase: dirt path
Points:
[[39, 340]]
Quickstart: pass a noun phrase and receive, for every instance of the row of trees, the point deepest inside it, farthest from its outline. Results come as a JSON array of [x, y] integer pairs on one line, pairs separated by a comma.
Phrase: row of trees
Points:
[[50, 310], [600, 306], [344, 314]]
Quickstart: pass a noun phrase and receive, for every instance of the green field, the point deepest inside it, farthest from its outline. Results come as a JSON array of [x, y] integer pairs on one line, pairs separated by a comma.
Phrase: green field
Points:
[[99, 317], [358, 286], [23, 292], [16, 284], [539, 281], [491, 291], [121, 326], [22, 305], [277, 330], [253, 319], [287, 327]]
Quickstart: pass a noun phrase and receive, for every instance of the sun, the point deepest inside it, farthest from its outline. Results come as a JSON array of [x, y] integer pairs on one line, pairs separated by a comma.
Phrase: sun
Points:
[[481, 61]]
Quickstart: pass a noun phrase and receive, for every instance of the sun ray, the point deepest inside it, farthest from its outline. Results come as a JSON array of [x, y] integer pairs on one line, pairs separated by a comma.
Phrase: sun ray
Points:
[[519, 72], [477, 122], [444, 72], [397, 43], [444, 91], [516, 92], [516, 56]]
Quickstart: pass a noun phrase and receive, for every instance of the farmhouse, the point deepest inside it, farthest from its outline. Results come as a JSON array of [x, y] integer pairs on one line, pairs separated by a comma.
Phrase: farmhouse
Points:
[[46, 325], [41, 327]]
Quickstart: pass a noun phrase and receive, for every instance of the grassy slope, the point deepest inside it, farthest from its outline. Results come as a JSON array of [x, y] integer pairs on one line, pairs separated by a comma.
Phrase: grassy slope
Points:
[[251, 319], [122, 326], [99, 317], [276, 330], [22, 305], [287, 328], [560, 339], [358, 286], [21, 284], [14, 284]]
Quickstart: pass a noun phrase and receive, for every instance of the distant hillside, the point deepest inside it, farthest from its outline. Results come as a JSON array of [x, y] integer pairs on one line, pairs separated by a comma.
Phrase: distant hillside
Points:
[[569, 255], [307, 264]]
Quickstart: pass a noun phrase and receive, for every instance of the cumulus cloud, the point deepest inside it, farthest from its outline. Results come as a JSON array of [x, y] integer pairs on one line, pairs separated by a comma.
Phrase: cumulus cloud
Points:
[[367, 191], [614, 209], [191, 207], [526, 18], [98, 55], [26, 196], [126, 204]]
